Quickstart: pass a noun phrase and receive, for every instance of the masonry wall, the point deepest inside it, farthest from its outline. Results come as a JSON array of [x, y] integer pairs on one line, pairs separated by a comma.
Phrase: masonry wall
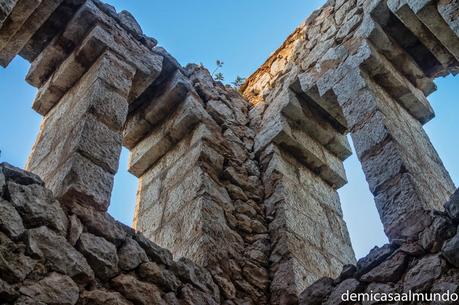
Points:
[[53, 254]]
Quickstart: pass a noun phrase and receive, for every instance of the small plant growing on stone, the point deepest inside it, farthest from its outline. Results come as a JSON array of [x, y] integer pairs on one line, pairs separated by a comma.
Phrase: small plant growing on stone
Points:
[[237, 83], [219, 76]]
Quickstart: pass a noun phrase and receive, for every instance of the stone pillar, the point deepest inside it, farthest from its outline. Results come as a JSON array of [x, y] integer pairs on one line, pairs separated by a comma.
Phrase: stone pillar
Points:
[[301, 147], [382, 88], [77, 150], [88, 67]]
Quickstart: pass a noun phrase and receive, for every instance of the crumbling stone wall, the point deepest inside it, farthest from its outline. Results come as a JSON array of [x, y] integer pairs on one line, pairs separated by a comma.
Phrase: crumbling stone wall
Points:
[[56, 254], [427, 265]]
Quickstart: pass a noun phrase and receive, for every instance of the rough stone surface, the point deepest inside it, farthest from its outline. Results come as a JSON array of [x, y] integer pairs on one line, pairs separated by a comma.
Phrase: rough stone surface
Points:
[[86, 266], [239, 185]]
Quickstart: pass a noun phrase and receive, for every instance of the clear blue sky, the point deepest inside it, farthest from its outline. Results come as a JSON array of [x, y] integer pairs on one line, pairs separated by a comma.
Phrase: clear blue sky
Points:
[[241, 33]]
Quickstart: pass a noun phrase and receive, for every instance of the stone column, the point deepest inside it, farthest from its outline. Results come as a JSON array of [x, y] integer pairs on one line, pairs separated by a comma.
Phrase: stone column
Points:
[[88, 67], [77, 150], [382, 88], [301, 147]]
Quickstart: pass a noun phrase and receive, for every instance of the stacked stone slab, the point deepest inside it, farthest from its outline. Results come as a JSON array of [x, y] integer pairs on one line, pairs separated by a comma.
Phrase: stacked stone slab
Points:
[[53, 254], [370, 65]]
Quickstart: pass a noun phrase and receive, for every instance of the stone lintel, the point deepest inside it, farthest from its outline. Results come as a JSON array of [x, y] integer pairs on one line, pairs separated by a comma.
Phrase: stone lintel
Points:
[[174, 92], [152, 111], [71, 70]]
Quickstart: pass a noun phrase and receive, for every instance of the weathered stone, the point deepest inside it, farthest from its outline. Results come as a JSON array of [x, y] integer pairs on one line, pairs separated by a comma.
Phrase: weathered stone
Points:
[[129, 22], [452, 207], [53, 289], [347, 272], [7, 292], [75, 230], [347, 286], [14, 265], [38, 207], [433, 237], [10, 220], [388, 271], [423, 274], [100, 224], [374, 288], [131, 255], [155, 252], [59, 255], [317, 293], [102, 297], [374, 258], [188, 272], [23, 300], [101, 255], [18, 175], [136, 291], [191, 296], [450, 251], [165, 279]]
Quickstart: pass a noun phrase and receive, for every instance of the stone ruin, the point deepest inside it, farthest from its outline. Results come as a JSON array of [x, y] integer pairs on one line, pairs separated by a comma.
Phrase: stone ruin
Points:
[[239, 186]]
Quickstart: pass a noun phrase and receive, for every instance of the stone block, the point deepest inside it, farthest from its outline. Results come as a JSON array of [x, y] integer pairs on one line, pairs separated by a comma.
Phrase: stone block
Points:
[[382, 166], [80, 181], [53, 289], [20, 38], [14, 21], [60, 256], [137, 291], [10, 220], [38, 207], [173, 93], [5, 9], [100, 254], [306, 85]]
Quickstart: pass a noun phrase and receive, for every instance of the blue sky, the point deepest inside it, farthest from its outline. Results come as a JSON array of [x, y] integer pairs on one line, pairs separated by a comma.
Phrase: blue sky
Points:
[[241, 33]]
